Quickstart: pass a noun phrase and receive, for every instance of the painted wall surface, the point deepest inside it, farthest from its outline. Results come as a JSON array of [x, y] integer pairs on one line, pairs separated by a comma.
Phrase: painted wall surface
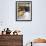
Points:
[[32, 29]]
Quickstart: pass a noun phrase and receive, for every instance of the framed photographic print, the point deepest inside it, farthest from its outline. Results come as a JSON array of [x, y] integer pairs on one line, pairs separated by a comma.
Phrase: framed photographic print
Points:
[[23, 10]]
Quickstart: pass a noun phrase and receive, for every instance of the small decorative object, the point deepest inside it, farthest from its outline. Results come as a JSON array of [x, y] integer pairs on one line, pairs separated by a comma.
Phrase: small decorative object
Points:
[[4, 32], [19, 32], [8, 31], [15, 33], [23, 10]]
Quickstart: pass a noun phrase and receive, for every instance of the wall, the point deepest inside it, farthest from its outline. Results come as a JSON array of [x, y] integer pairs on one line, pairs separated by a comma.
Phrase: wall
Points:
[[31, 30]]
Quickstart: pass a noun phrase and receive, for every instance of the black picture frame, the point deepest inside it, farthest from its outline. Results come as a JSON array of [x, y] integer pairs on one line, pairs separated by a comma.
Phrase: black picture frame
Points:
[[30, 11]]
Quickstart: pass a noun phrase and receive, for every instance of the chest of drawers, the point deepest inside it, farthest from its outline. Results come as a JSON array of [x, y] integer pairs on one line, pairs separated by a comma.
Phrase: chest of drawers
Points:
[[11, 40]]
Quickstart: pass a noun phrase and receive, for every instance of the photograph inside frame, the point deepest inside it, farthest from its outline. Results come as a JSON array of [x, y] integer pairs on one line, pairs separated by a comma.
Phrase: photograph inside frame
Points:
[[24, 10]]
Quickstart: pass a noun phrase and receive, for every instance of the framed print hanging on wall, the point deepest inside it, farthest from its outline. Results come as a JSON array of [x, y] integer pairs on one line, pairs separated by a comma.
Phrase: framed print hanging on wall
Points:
[[23, 10]]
